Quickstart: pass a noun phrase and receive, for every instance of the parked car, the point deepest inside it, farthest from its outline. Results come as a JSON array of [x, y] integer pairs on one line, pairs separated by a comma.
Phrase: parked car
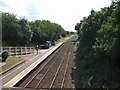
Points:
[[49, 43], [46, 45], [53, 43]]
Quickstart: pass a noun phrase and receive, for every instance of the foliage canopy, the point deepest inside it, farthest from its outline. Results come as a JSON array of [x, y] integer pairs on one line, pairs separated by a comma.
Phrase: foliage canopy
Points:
[[21, 32], [99, 51]]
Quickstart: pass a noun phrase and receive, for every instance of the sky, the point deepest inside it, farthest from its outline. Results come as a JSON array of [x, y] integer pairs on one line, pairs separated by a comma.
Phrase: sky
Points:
[[64, 12]]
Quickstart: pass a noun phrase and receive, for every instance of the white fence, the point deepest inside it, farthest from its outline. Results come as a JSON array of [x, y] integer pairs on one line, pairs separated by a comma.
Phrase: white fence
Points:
[[18, 50]]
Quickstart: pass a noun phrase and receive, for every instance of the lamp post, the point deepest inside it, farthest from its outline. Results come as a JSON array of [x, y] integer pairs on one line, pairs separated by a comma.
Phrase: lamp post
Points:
[[37, 49]]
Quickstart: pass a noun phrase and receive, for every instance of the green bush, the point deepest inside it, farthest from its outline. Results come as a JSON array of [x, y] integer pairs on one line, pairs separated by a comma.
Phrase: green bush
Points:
[[4, 56]]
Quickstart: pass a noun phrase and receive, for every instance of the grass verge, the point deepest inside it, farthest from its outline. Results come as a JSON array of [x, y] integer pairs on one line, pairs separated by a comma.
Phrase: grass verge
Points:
[[12, 60], [64, 39]]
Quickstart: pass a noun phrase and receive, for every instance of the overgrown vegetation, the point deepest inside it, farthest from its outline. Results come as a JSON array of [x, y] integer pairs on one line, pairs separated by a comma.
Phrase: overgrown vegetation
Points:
[[21, 32], [99, 51], [4, 56], [12, 60]]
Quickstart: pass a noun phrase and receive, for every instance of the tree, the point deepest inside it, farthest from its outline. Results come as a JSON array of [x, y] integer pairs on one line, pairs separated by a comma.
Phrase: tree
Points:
[[23, 32], [99, 55], [9, 29]]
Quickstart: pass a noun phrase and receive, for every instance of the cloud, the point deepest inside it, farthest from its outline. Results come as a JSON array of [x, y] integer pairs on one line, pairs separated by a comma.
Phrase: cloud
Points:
[[64, 12], [3, 4], [33, 10]]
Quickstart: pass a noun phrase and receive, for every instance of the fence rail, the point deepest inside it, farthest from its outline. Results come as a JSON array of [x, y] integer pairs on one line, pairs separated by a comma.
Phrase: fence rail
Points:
[[18, 50]]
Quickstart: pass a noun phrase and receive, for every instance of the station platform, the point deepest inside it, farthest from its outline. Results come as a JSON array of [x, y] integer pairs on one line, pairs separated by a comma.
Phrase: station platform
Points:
[[24, 72]]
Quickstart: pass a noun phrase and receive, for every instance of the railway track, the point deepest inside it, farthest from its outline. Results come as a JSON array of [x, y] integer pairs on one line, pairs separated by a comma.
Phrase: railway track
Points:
[[60, 75], [53, 72]]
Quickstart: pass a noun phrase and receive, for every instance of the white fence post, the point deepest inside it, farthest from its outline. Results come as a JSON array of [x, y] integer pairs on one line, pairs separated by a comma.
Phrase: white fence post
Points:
[[18, 50], [21, 51], [15, 50], [9, 51]]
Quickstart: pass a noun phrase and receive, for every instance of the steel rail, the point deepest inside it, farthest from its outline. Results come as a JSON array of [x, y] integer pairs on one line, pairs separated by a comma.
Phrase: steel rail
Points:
[[65, 70], [47, 63], [58, 70], [45, 73], [41, 68]]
